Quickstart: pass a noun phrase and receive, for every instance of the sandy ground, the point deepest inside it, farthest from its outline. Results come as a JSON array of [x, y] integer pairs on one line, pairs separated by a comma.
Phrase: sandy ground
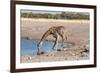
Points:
[[77, 33], [65, 54]]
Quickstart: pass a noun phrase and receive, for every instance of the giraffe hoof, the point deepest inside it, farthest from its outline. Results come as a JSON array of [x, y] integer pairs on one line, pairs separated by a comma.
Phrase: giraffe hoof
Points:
[[58, 49], [40, 53]]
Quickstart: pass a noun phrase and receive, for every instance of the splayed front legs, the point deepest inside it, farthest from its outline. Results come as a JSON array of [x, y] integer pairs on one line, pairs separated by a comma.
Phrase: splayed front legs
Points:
[[55, 43], [39, 46]]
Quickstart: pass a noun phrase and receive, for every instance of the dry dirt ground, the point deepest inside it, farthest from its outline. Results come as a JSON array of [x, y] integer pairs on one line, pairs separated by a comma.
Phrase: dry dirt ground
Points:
[[77, 32]]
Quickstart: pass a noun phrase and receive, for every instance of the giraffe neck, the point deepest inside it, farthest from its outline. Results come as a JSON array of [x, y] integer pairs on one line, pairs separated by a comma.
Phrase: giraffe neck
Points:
[[43, 38]]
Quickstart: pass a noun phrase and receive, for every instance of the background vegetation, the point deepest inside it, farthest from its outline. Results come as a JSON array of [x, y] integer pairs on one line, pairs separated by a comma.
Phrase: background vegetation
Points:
[[62, 15]]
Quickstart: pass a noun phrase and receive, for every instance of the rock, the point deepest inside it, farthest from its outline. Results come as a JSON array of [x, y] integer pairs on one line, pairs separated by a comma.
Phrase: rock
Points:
[[51, 54], [84, 49], [29, 58], [65, 49]]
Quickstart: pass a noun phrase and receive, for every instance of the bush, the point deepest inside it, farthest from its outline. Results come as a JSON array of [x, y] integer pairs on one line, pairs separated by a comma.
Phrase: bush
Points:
[[62, 15]]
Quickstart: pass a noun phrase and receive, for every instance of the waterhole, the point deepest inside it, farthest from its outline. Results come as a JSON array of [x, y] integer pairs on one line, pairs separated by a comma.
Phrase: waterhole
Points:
[[29, 47]]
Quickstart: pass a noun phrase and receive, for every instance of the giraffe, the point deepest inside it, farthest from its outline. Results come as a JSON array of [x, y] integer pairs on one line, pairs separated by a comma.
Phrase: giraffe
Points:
[[55, 31]]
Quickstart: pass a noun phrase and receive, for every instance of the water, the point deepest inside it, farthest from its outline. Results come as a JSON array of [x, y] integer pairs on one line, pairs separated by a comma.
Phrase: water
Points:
[[29, 47]]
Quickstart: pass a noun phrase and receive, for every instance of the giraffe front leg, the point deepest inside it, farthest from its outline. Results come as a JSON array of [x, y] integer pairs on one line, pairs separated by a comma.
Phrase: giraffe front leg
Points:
[[55, 43], [38, 47], [38, 52]]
